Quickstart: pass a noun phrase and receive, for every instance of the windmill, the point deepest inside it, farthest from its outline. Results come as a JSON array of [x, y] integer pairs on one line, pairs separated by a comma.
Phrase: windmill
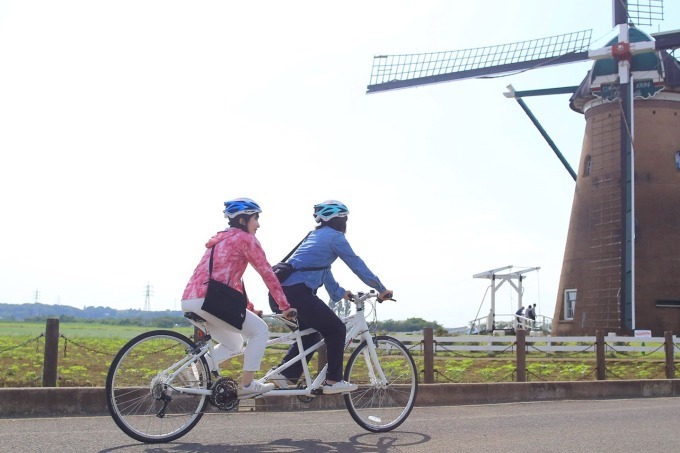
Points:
[[621, 268]]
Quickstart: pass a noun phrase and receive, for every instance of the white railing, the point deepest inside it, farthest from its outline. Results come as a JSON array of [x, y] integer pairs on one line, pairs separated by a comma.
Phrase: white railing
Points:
[[540, 344], [546, 344]]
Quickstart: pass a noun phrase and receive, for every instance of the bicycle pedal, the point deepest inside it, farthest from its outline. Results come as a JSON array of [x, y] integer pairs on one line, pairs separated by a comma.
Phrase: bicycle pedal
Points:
[[318, 391]]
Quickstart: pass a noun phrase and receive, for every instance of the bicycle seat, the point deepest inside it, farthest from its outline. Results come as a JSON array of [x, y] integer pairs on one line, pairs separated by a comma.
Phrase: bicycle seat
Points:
[[193, 316]]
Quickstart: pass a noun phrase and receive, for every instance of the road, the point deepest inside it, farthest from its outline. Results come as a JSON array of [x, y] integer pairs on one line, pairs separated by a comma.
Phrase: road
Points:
[[636, 425]]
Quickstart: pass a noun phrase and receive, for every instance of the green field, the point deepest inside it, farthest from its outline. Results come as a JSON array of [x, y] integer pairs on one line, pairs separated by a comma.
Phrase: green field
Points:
[[84, 355], [79, 330], [86, 351]]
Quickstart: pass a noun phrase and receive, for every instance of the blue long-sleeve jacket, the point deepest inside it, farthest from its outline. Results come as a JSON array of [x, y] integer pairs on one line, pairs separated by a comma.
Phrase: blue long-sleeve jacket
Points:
[[320, 249]]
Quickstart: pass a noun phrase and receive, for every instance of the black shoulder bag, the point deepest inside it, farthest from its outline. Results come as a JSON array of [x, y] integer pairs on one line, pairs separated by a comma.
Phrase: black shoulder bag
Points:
[[283, 270], [223, 301]]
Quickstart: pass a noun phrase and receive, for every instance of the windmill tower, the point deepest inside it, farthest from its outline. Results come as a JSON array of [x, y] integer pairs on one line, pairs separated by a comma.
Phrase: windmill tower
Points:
[[622, 256], [621, 268]]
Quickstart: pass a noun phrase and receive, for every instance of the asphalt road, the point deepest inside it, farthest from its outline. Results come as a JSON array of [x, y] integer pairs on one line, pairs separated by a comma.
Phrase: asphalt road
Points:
[[636, 425]]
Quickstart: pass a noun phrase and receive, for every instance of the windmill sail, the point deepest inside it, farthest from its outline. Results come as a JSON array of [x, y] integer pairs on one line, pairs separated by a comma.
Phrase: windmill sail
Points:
[[392, 72], [402, 71]]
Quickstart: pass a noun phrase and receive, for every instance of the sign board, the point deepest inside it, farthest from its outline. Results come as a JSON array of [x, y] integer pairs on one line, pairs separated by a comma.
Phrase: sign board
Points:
[[642, 89], [643, 334]]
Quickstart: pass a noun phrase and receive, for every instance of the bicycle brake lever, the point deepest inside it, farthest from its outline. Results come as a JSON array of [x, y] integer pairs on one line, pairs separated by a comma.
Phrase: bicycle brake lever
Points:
[[388, 298]]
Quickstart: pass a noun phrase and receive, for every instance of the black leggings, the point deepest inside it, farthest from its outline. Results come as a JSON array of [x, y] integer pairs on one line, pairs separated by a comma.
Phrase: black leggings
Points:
[[314, 313]]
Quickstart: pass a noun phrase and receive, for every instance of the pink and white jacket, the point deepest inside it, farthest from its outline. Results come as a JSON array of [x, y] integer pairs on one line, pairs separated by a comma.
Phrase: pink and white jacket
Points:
[[234, 249]]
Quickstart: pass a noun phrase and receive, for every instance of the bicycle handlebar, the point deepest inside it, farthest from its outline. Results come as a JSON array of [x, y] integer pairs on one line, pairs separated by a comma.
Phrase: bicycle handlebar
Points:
[[357, 298], [370, 294]]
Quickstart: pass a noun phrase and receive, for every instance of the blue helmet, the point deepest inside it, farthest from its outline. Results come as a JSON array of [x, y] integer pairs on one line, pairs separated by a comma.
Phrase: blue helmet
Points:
[[329, 209], [232, 208]]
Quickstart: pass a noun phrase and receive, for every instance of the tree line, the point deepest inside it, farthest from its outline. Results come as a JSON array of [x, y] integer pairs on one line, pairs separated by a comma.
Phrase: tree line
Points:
[[161, 321], [411, 325], [24, 312]]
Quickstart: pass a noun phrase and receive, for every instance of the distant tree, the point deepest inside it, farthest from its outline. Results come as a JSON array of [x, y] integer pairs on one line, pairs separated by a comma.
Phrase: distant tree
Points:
[[409, 325], [67, 318]]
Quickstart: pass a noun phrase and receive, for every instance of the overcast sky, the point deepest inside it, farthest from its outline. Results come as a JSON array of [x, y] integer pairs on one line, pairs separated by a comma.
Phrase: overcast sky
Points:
[[125, 125]]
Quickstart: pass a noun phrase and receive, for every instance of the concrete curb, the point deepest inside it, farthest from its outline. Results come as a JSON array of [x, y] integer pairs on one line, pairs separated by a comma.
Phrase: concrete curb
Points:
[[87, 401]]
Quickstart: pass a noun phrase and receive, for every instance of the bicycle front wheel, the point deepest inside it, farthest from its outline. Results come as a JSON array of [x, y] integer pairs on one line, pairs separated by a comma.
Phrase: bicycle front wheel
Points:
[[381, 403], [143, 401]]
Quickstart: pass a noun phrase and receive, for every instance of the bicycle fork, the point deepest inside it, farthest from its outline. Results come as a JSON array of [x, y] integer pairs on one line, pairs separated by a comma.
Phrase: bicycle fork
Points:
[[370, 354]]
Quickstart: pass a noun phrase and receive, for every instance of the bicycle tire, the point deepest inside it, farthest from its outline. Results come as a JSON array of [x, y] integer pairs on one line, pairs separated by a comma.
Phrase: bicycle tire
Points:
[[134, 394], [381, 406]]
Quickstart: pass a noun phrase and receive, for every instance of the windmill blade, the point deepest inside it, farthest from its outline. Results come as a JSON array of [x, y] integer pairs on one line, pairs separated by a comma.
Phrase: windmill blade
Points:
[[667, 40], [638, 12], [392, 72]]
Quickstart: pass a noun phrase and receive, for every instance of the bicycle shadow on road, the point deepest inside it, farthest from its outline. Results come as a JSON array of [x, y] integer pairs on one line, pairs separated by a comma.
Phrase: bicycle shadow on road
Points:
[[368, 442]]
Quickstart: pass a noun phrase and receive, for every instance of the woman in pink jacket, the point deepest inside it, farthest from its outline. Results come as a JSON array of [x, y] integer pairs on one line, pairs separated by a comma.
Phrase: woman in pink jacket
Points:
[[234, 248]]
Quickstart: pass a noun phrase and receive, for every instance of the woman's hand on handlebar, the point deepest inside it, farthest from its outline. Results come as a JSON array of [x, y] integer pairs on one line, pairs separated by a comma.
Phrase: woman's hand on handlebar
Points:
[[290, 313], [386, 295]]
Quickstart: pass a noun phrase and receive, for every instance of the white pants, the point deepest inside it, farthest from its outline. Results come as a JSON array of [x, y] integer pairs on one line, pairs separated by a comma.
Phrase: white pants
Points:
[[255, 332]]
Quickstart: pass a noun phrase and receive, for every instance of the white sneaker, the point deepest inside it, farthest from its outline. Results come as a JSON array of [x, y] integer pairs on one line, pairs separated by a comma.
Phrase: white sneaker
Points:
[[255, 388], [338, 387], [279, 380]]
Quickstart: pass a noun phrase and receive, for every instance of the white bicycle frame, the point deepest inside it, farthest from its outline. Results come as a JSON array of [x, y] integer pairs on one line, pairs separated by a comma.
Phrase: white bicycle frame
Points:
[[357, 329]]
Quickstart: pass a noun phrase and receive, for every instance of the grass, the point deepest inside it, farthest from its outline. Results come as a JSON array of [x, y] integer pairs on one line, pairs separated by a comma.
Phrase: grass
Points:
[[86, 351], [554, 368]]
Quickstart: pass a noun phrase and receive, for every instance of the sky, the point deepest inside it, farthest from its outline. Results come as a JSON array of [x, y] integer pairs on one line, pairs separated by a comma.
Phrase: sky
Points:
[[125, 125]]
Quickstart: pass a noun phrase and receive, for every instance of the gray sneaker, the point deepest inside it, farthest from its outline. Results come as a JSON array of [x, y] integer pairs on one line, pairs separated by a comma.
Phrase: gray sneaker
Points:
[[338, 387]]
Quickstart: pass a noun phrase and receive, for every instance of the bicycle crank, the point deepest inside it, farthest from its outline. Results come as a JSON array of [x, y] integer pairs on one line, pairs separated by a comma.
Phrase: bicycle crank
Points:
[[224, 394]]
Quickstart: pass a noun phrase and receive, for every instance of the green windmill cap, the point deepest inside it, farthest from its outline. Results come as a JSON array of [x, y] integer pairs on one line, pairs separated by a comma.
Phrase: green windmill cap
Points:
[[648, 61]]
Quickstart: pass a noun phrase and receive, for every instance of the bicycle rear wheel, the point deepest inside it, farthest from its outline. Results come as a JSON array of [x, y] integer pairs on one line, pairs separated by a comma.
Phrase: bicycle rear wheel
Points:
[[381, 405], [142, 402]]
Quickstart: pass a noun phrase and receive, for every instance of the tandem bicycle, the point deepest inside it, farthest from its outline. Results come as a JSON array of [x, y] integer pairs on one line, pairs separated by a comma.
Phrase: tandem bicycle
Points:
[[159, 385]]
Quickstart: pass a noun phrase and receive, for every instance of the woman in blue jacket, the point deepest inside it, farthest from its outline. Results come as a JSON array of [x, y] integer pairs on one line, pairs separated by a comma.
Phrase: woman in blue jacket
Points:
[[319, 250]]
